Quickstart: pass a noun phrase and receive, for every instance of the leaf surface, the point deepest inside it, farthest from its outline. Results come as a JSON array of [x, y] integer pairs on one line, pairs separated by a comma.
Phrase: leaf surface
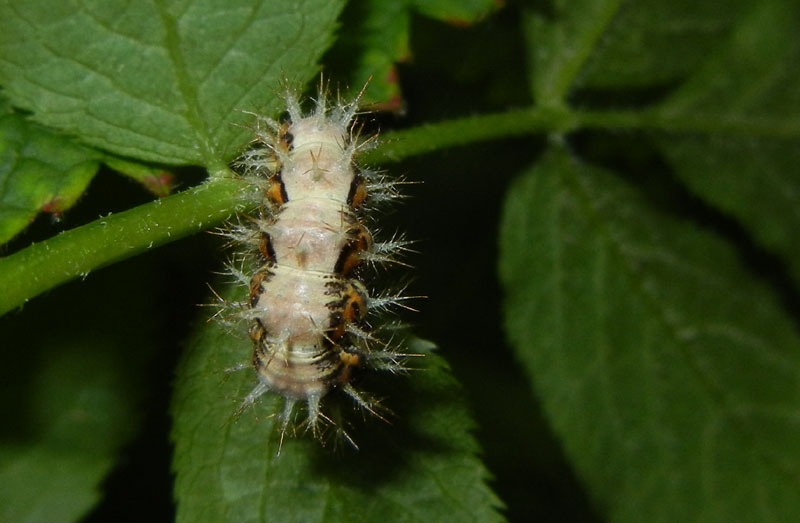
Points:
[[422, 467], [155, 80], [725, 117], [746, 99], [650, 43], [670, 374], [378, 37], [71, 393], [39, 171], [560, 40], [616, 44]]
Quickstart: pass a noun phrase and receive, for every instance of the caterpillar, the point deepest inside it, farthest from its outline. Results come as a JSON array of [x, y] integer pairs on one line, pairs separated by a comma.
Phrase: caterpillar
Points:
[[306, 254]]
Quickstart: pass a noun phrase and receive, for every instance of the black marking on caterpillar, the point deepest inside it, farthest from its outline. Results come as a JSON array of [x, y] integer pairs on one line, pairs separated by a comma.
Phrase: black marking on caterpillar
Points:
[[304, 258]]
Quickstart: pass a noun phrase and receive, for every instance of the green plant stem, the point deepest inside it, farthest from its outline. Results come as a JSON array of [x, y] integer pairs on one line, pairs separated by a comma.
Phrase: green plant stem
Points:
[[77, 252], [699, 123], [397, 145]]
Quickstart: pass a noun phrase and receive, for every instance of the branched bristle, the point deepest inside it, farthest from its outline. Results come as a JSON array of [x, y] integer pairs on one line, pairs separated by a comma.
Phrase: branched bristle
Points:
[[293, 105], [388, 301], [365, 402], [260, 389], [389, 251], [239, 274], [382, 189], [239, 234]]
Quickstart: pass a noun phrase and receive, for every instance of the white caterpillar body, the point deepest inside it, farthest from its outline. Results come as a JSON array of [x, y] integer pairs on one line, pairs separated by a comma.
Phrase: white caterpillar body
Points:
[[307, 307]]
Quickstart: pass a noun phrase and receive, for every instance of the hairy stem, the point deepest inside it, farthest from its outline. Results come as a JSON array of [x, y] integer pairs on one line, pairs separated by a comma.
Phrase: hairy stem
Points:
[[427, 138], [76, 253], [79, 251]]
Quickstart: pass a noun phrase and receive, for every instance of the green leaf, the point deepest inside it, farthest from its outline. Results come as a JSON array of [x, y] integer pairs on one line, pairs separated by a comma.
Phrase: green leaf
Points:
[[39, 171], [750, 85], [422, 467], [560, 40], [181, 111], [70, 394], [378, 38], [651, 42], [156, 80], [670, 374], [731, 135], [457, 12], [155, 179], [615, 44]]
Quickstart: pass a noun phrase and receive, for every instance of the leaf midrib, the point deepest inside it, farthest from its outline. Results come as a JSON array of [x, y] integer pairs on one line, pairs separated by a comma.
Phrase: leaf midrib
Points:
[[187, 89], [585, 44], [716, 396]]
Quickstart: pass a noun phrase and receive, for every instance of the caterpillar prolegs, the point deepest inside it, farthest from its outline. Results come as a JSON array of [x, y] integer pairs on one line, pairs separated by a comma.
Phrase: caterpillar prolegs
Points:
[[308, 309]]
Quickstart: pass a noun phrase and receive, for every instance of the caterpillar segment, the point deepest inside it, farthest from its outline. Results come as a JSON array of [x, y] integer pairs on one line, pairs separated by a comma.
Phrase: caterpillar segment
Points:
[[307, 305]]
